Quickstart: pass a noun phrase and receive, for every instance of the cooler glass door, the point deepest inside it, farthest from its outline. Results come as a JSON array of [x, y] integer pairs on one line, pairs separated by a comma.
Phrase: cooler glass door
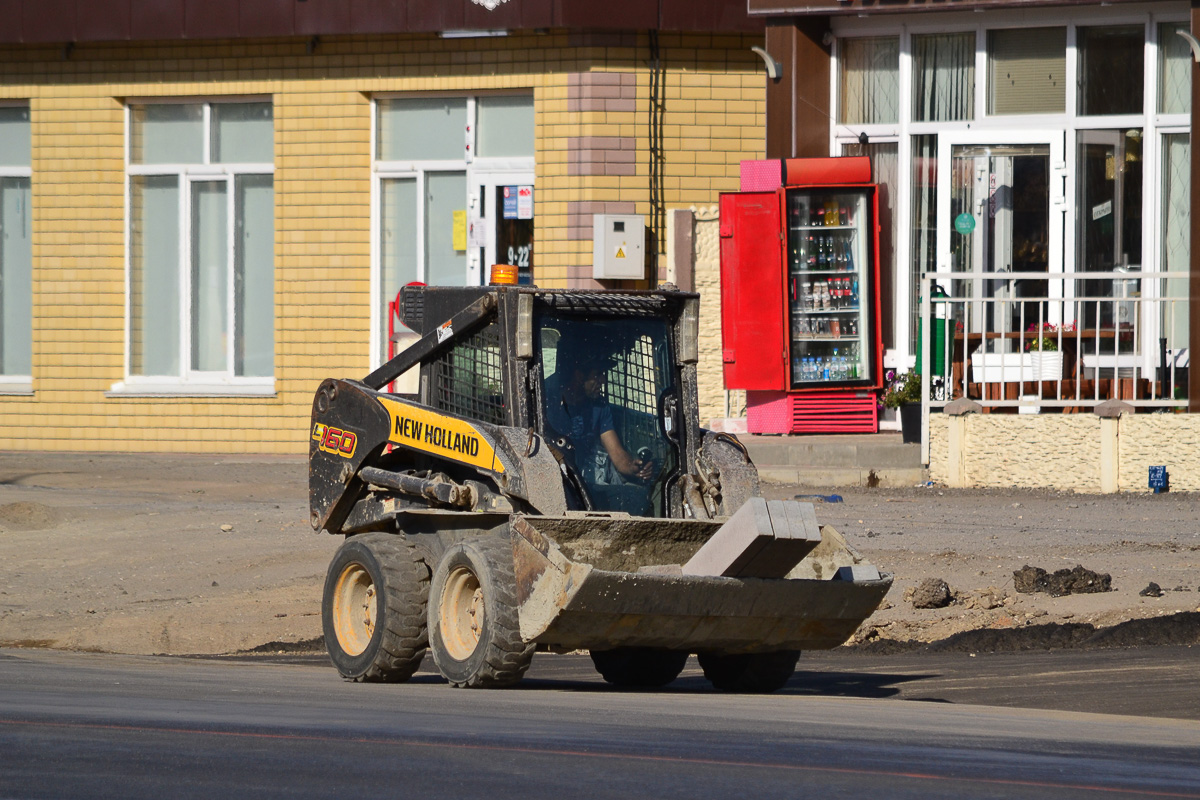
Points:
[[829, 274]]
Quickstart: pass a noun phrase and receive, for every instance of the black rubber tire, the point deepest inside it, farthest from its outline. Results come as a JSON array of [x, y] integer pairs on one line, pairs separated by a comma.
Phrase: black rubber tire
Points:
[[493, 655], [639, 667], [750, 673], [386, 570]]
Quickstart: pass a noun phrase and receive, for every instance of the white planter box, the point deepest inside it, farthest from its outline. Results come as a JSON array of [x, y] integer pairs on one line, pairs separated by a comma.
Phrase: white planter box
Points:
[[1002, 367]]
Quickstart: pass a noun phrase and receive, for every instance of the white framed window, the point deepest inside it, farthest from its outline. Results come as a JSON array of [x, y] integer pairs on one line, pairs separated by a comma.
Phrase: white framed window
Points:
[[200, 247], [440, 165], [1001, 72], [16, 252]]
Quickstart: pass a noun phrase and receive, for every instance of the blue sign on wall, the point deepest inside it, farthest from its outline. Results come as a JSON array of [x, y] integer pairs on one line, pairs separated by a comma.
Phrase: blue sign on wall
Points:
[[1159, 479]]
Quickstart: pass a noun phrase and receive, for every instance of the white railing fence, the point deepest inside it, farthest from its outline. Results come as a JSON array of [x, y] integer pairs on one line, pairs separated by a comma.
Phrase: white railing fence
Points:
[[1039, 342]]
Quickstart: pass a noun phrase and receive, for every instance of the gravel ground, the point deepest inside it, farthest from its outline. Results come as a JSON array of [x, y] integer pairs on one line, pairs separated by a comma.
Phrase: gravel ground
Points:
[[207, 555]]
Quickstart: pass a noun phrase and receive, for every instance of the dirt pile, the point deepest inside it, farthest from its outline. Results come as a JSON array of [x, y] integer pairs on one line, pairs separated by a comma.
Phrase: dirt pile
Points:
[[1061, 583]]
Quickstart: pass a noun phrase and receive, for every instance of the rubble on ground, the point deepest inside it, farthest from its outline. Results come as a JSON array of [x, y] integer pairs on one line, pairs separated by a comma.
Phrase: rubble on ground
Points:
[[1078, 580]]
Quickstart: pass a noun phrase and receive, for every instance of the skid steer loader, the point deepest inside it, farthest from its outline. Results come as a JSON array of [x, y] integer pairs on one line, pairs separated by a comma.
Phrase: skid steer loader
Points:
[[548, 488]]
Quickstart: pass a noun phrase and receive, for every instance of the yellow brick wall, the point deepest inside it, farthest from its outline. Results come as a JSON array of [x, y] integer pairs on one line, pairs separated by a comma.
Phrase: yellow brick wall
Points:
[[713, 88]]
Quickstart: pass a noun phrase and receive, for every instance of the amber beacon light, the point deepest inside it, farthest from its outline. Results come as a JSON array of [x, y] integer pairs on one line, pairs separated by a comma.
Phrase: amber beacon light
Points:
[[503, 275]]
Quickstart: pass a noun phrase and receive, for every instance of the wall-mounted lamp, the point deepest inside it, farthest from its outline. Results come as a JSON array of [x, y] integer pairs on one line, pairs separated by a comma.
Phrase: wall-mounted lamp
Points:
[[312, 45], [774, 68], [68, 48], [1195, 45]]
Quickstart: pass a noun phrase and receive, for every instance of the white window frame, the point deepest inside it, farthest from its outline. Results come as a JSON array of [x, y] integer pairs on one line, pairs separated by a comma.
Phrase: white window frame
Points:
[[18, 384], [190, 382], [1152, 124], [477, 170]]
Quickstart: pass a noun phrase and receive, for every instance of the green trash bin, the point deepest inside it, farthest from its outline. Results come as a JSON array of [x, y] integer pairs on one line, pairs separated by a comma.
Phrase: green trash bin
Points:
[[940, 321]]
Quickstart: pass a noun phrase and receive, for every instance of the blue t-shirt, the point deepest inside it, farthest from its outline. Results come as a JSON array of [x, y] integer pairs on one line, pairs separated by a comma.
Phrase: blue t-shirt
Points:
[[582, 422]]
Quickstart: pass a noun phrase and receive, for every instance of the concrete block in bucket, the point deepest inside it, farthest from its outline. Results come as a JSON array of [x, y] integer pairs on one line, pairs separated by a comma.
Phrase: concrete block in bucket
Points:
[[763, 539]]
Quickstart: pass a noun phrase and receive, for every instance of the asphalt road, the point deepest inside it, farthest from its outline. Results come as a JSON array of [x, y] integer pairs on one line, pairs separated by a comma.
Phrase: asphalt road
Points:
[[86, 725]]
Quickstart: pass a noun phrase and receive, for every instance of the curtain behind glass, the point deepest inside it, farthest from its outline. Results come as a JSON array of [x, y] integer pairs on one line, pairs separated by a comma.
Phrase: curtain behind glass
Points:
[[870, 80], [1174, 69], [254, 276], [943, 77], [16, 278], [1111, 69], [884, 164], [154, 276], [1176, 231], [210, 276], [924, 224]]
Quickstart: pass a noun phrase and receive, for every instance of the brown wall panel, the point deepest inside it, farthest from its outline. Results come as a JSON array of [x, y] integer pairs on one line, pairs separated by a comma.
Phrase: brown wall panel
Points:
[[708, 15], [103, 21], [378, 16], [811, 103], [267, 17], [781, 45], [210, 19], [610, 15], [506, 15], [156, 19], [48, 21], [323, 16], [436, 15]]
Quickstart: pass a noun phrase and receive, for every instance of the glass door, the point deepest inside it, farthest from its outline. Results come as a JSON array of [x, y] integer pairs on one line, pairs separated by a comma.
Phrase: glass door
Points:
[[500, 223], [1000, 206]]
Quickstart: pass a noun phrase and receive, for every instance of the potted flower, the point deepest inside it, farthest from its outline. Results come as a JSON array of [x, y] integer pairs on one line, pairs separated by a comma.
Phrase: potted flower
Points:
[[1046, 359], [903, 393]]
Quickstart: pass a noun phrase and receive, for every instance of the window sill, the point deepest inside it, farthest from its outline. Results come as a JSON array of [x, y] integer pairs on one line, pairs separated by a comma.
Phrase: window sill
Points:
[[143, 387], [21, 385]]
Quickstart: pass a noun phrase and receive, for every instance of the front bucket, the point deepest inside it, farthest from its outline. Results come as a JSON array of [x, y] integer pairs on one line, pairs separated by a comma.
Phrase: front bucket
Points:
[[566, 604]]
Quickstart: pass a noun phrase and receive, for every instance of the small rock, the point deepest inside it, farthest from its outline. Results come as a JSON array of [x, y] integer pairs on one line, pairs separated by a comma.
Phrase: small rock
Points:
[[226, 528], [1153, 590], [931, 593], [214, 583]]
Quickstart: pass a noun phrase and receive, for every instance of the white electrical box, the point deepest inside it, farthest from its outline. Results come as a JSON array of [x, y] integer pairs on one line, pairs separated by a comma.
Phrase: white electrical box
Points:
[[618, 247]]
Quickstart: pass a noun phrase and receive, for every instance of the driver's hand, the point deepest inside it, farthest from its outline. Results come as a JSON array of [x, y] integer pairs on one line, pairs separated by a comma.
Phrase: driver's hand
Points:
[[644, 470]]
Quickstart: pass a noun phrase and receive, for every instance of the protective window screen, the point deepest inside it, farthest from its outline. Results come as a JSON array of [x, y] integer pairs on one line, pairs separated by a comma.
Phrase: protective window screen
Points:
[[397, 235], [210, 275], [1111, 69], [445, 194], [254, 275], [943, 77], [870, 80], [16, 278], [468, 379], [1174, 69], [422, 129], [504, 126], [154, 276], [14, 137], [1027, 71], [168, 134], [243, 133]]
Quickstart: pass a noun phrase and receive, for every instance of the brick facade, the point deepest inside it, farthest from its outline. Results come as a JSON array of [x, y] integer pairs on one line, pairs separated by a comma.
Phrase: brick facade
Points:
[[713, 91]]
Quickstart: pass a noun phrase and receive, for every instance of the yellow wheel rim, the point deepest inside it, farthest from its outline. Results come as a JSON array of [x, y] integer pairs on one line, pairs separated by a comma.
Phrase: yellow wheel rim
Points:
[[461, 614], [354, 609]]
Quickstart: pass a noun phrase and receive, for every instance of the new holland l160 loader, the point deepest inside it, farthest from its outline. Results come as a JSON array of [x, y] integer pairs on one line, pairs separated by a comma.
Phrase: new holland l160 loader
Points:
[[549, 488]]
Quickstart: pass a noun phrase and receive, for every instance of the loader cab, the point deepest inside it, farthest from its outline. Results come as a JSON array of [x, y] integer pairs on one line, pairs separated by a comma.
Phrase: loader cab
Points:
[[605, 382]]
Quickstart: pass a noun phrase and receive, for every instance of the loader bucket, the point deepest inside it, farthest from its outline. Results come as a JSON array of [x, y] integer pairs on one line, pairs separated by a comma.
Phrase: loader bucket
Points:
[[598, 583]]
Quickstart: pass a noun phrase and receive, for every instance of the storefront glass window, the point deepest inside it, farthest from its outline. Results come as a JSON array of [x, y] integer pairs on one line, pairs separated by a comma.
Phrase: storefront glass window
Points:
[[1109, 189], [16, 250], [505, 126], [869, 81], [422, 129], [943, 77], [1174, 69], [1027, 71], [1111, 69]]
